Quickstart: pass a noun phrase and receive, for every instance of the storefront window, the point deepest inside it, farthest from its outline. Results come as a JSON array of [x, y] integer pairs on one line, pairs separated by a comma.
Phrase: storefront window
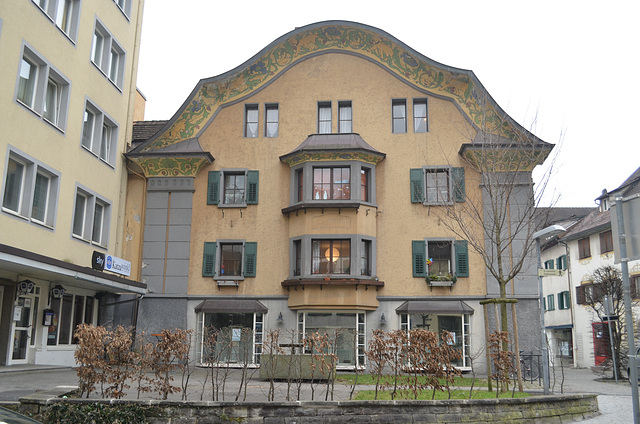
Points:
[[457, 325], [345, 330], [68, 312], [230, 338]]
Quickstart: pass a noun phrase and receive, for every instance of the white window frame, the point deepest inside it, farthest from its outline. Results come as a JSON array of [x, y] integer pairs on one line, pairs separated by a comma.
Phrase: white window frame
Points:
[[452, 253], [101, 144], [427, 170], [360, 328], [45, 73], [325, 117], [88, 218], [102, 54], [271, 125], [251, 126], [398, 121], [31, 169], [218, 275], [345, 116], [64, 14], [406, 325], [124, 6]]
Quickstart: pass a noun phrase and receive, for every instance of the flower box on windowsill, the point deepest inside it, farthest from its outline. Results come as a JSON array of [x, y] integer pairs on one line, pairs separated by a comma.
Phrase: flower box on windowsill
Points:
[[441, 280]]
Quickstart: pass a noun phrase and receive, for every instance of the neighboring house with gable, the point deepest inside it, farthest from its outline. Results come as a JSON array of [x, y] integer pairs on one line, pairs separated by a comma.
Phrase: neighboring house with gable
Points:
[[574, 331]]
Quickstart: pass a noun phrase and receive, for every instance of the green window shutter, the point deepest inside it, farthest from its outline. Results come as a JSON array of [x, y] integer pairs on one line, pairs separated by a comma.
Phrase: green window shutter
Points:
[[252, 188], [419, 258], [250, 254], [544, 304], [560, 301], [213, 188], [417, 185], [559, 263], [457, 177], [209, 259], [563, 262], [462, 258]]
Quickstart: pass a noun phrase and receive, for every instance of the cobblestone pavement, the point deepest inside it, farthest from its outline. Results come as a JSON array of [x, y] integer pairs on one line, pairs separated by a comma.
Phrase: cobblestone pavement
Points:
[[614, 399]]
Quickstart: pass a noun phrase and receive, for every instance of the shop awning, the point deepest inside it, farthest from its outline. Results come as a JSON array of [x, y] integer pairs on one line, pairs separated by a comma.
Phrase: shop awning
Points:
[[434, 307], [33, 265], [560, 327], [231, 306]]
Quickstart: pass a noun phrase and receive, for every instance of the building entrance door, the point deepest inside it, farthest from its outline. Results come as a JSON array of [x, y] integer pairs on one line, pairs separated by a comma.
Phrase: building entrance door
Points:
[[24, 313]]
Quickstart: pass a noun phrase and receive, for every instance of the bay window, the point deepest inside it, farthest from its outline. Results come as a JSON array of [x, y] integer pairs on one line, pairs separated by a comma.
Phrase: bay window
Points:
[[331, 183], [331, 256]]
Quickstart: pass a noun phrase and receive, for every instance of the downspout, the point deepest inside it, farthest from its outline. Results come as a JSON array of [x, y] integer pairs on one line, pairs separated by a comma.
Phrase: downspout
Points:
[[573, 306]]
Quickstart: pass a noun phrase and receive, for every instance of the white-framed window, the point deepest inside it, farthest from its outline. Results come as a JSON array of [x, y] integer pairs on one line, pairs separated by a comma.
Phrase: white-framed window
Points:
[[125, 7], [229, 259], [437, 185], [42, 88], [251, 120], [345, 330], [324, 118], [65, 14], [420, 117], [233, 187], [272, 117], [440, 259], [91, 217], [99, 133], [456, 324], [399, 116], [108, 55], [238, 337], [345, 117], [30, 189]]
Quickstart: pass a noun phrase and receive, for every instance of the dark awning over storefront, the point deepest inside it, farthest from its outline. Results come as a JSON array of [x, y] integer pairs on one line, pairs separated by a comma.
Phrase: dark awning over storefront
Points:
[[434, 307], [231, 305], [560, 327]]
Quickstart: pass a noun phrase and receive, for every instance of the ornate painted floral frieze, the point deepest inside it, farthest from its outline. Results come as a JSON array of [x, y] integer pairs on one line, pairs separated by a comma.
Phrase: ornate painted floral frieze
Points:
[[171, 166], [442, 81]]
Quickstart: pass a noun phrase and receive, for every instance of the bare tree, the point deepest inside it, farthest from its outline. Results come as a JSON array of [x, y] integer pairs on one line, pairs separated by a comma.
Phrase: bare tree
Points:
[[499, 220], [607, 282]]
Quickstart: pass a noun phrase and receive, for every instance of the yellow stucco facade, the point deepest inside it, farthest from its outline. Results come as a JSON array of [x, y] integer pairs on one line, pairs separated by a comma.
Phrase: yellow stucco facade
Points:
[[69, 72], [308, 255]]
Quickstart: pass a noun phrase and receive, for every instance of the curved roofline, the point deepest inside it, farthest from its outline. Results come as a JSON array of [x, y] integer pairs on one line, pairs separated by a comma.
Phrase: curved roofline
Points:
[[460, 86]]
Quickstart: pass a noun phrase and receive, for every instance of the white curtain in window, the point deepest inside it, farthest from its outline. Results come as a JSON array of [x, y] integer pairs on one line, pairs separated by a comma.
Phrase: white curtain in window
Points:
[[324, 120], [345, 119]]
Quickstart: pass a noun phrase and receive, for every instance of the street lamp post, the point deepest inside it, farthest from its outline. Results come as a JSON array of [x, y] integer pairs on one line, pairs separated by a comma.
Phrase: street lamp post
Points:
[[550, 231]]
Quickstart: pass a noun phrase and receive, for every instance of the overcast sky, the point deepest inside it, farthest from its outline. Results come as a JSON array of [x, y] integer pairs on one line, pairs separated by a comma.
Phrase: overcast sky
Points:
[[566, 70]]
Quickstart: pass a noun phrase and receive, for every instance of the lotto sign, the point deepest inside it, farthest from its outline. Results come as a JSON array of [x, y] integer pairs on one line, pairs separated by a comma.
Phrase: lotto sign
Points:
[[117, 265]]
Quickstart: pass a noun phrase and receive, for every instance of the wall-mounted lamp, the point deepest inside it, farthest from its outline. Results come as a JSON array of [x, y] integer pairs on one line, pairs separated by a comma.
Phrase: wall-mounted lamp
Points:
[[383, 320], [58, 292], [26, 287], [279, 319]]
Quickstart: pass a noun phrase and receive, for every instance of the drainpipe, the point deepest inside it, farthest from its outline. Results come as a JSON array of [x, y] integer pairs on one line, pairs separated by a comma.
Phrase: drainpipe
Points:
[[573, 307]]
